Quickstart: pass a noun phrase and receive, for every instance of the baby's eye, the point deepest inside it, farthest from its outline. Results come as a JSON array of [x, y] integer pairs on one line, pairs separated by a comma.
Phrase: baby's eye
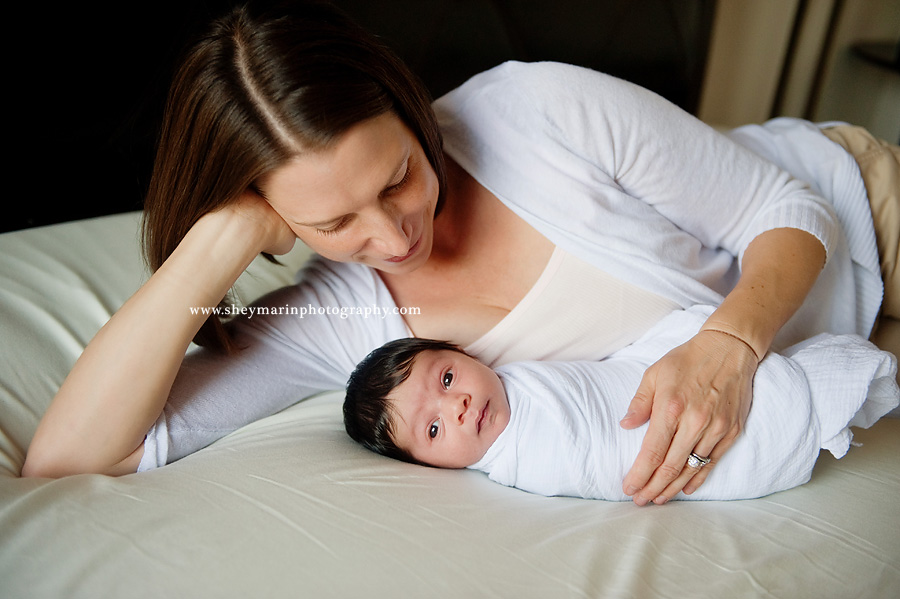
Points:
[[447, 379], [433, 429]]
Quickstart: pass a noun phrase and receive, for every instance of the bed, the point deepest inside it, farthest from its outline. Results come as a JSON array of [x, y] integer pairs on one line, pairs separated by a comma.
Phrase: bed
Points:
[[289, 506]]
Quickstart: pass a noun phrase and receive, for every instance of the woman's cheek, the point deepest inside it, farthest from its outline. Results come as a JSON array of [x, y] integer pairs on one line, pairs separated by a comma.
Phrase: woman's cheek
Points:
[[340, 247]]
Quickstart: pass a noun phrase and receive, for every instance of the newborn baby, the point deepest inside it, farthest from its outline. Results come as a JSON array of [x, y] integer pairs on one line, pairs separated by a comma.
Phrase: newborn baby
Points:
[[552, 428]]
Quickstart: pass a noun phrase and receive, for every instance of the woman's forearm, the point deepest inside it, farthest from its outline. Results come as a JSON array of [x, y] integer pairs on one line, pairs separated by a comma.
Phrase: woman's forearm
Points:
[[121, 382], [778, 270]]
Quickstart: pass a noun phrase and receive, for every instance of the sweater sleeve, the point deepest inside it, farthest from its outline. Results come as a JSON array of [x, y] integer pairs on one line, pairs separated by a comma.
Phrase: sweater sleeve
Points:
[[295, 342], [644, 149]]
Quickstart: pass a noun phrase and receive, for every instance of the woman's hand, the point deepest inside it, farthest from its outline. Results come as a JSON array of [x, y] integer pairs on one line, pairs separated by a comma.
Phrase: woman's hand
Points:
[[276, 235], [696, 398]]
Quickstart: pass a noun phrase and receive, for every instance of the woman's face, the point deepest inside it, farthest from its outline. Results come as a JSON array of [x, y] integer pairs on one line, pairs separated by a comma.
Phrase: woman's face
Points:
[[369, 197]]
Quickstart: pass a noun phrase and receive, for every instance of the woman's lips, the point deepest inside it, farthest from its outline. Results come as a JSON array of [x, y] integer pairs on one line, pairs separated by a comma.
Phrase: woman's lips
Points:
[[411, 251]]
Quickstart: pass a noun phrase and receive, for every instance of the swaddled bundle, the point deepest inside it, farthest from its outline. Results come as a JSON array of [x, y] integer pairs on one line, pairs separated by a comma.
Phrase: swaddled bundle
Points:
[[564, 437]]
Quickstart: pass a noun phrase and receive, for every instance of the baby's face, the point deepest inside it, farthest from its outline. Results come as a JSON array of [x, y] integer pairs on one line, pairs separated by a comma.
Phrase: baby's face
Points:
[[450, 409]]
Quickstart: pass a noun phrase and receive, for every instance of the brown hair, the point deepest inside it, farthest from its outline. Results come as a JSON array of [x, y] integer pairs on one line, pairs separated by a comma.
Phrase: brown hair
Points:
[[250, 94]]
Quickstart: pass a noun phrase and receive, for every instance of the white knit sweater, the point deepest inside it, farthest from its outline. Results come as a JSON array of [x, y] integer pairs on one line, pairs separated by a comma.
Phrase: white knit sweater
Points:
[[632, 184]]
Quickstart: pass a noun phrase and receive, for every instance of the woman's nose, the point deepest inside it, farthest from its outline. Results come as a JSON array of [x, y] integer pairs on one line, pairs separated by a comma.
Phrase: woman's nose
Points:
[[388, 234]]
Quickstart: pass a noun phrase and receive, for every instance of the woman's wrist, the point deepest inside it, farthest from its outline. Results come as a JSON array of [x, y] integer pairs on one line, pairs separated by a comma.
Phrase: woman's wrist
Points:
[[745, 319], [713, 329], [257, 224], [236, 231], [210, 258], [778, 270]]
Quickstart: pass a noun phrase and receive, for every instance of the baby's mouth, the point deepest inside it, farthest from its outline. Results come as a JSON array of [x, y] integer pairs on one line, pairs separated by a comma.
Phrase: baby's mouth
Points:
[[481, 418]]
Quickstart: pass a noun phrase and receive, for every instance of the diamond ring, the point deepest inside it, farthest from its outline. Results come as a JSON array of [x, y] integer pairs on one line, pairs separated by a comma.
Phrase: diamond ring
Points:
[[695, 461]]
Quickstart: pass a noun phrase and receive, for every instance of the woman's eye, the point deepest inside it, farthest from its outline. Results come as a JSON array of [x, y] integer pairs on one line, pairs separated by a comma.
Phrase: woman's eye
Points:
[[434, 429], [334, 229], [399, 185], [447, 379]]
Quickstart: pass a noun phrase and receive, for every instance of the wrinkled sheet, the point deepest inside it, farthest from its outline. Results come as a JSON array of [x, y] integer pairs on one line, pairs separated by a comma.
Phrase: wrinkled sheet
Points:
[[289, 506]]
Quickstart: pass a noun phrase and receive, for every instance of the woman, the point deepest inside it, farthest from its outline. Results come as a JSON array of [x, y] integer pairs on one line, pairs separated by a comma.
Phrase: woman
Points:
[[299, 125]]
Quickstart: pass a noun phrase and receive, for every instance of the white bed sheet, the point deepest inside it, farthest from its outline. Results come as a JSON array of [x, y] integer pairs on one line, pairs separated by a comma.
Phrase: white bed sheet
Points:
[[290, 507]]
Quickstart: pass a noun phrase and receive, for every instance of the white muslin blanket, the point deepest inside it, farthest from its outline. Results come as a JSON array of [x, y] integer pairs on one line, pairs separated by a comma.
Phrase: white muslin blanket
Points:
[[564, 436]]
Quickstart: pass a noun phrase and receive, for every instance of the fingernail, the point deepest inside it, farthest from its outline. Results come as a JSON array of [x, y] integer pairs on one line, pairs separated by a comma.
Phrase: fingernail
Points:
[[630, 490], [641, 501], [627, 415], [660, 500]]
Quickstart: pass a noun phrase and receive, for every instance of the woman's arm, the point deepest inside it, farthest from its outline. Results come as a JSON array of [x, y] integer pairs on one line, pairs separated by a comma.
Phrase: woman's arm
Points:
[[669, 203], [120, 383], [697, 397]]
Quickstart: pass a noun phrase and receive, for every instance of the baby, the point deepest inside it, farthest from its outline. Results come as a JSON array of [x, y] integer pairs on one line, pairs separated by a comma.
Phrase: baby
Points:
[[552, 427]]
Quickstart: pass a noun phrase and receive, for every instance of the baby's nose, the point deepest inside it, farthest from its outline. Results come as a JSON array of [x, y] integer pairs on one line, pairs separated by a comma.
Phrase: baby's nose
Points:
[[462, 407]]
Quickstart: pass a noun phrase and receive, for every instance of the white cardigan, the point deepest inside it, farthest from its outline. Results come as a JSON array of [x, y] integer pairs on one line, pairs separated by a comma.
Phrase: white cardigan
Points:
[[606, 170], [637, 187]]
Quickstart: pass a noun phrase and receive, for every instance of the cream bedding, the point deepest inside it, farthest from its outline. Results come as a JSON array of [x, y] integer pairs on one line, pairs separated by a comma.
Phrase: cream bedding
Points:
[[289, 506]]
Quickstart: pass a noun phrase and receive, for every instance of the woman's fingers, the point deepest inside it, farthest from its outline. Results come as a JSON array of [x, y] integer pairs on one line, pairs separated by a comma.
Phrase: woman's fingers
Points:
[[715, 438], [701, 396], [693, 481], [691, 475], [697, 480], [670, 476], [654, 449], [688, 474], [710, 440], [639, 409]]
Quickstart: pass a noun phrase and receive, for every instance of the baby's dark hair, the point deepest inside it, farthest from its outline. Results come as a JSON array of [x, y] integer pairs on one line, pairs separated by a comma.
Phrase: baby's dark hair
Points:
[[368, 414]]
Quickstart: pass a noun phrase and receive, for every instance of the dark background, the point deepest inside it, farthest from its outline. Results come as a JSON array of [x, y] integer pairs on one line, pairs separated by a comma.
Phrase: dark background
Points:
[[88, 82]]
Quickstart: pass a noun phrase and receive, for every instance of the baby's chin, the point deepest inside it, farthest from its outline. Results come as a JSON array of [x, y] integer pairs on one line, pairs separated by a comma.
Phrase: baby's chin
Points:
[[455, 464], [476, 461]]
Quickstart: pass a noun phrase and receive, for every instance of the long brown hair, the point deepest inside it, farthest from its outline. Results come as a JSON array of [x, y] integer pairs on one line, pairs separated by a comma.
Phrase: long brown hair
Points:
[[251, 93]]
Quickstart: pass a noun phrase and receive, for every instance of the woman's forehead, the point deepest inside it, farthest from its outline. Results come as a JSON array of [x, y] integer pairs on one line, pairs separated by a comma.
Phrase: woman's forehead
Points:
[[355, 168]]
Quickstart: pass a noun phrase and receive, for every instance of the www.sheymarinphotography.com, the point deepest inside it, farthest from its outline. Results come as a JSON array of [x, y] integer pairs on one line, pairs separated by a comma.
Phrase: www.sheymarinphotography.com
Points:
[[308, 310]]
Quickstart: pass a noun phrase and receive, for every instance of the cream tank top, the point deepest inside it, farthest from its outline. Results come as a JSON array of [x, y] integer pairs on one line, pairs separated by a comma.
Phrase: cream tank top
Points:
[[574, 312]]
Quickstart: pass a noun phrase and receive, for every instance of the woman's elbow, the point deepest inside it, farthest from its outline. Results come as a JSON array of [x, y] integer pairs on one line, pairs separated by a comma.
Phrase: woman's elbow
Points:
[[44, 463], [38, 465]]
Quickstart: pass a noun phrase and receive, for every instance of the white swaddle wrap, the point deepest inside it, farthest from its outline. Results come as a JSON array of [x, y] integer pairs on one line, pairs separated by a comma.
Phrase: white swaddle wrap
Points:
[[564, 436]]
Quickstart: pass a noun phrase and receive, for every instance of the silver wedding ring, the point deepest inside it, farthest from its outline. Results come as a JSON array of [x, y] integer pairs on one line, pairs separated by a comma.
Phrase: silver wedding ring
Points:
[[695, 461]]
